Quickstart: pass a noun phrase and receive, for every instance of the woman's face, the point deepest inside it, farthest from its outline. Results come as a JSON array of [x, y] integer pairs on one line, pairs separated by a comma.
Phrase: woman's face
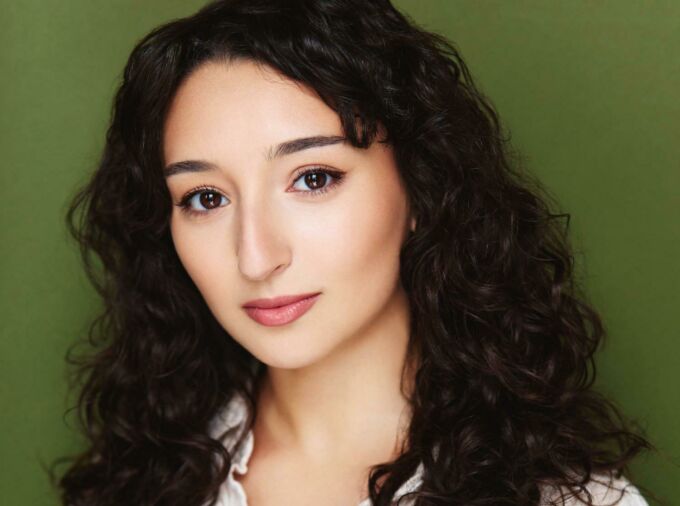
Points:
[[258, 229]]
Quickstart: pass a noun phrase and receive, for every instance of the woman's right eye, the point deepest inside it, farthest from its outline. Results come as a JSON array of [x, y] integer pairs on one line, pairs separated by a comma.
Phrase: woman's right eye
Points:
[[200, 201]]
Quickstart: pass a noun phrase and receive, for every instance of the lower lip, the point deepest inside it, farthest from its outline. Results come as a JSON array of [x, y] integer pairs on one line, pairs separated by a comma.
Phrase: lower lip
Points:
[[281, 315]]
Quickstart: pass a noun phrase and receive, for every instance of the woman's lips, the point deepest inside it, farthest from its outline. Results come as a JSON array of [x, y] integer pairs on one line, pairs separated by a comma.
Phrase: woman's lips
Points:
[[283, 314]]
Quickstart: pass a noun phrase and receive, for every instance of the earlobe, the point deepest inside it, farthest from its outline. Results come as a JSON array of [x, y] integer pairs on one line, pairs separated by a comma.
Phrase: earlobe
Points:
[[413, 224]]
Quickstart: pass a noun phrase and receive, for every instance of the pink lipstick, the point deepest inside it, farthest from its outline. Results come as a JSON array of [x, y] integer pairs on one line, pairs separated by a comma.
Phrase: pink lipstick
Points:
[[280, 310]]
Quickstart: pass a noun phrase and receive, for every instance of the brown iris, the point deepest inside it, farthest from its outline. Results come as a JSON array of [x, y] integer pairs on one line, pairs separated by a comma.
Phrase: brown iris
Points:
[[313, 180], [210, 199]]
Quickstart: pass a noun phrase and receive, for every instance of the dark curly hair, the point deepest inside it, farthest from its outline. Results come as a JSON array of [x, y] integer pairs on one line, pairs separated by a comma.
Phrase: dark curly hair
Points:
[[504, 335]]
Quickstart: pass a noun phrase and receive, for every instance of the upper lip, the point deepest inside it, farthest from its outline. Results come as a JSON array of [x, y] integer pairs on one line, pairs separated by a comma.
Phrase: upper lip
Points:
[[283, 300]]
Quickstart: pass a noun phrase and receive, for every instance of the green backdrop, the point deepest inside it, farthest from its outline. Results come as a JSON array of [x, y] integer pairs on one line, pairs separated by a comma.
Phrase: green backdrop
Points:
[[588, 90]]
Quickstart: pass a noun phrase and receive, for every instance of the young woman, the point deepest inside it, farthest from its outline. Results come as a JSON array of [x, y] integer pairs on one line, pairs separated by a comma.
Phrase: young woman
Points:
[[325, 282]]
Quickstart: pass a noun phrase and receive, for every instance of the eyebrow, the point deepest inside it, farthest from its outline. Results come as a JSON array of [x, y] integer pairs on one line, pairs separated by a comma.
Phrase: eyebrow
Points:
[[285, 148]]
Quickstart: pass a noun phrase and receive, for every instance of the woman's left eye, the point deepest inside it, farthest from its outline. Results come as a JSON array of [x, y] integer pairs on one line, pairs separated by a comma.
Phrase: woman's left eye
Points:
[[316, 179]]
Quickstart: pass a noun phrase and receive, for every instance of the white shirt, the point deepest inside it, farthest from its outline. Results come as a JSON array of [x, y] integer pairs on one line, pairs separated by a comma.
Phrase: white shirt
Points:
[[232, 493]]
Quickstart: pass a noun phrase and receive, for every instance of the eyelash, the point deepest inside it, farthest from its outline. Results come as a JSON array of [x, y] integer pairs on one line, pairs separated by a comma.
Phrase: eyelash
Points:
[[336, 178]]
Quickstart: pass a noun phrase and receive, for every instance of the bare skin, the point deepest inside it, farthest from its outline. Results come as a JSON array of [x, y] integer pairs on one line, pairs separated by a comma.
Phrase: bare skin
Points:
[[331, 403], [338, 476]]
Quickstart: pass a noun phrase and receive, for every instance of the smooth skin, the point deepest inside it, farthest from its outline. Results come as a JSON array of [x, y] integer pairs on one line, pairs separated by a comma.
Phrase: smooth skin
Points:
[[330, 405]]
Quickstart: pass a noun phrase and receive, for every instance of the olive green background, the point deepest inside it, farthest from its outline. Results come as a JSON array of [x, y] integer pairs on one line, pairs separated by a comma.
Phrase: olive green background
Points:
[[588, 90]]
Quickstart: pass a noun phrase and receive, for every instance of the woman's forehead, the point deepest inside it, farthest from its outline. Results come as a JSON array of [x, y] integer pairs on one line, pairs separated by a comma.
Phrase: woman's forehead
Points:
[[242, 106]]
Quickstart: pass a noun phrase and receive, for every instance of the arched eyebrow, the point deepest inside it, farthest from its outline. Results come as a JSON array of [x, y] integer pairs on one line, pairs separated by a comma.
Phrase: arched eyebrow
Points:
[[288, 147], [283, 149]]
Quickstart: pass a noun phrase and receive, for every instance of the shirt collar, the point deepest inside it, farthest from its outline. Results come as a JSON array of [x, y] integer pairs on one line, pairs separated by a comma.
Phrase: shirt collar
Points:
[[228, 425]]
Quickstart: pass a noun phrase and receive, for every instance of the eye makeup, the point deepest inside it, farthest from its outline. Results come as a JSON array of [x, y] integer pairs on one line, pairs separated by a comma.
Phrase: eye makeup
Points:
[[336, 178]]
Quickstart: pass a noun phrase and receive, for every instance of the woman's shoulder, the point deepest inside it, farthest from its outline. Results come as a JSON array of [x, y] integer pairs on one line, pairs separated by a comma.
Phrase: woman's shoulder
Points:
[[605, 490]]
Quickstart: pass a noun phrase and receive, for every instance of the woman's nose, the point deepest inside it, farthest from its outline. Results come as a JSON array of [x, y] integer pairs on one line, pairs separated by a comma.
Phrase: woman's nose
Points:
[[262, 246]]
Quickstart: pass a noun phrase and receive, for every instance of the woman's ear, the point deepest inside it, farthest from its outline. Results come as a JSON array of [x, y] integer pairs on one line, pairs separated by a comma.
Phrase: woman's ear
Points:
[[413, 224]]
